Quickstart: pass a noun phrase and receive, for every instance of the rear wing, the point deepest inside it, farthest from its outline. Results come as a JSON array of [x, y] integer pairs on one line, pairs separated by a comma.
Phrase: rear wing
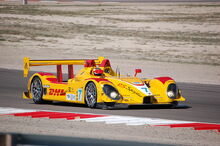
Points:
[[28, 63]]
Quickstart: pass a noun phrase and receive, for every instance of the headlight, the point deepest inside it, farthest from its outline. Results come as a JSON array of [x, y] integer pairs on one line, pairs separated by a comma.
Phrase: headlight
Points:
[[170, 94], [113, 95], [111, 92], [172, 91]]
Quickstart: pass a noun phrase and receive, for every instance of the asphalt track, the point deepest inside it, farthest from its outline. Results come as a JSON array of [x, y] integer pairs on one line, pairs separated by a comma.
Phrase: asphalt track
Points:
[[203, 101], [145, 1]]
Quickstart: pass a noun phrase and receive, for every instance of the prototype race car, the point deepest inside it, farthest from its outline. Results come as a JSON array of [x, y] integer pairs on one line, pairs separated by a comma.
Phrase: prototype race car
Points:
[[97, 84]]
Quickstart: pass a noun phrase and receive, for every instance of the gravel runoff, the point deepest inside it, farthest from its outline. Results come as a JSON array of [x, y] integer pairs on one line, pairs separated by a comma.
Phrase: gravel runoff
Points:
[[122, 132]]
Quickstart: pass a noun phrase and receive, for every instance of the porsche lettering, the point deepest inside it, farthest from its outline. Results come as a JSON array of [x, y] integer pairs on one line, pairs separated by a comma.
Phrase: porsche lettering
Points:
[[129, 89]]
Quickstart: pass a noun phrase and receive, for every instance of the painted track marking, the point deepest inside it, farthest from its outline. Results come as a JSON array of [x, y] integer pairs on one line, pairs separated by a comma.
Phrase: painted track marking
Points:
[[108, 119]]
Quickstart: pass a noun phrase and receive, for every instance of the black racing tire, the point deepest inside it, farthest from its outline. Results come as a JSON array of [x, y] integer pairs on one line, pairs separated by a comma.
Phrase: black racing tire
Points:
[[91, 95], [37, 90]]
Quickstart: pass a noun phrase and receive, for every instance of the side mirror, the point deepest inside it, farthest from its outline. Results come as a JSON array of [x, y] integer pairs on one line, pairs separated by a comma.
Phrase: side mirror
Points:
[[137, 71]]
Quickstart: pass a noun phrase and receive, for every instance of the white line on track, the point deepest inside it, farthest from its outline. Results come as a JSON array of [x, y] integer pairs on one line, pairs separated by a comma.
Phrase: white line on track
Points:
[[132, 120], [14, 110]]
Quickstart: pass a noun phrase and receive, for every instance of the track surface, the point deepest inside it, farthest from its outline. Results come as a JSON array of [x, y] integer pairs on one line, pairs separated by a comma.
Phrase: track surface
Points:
[[135, 1], [203, 101]]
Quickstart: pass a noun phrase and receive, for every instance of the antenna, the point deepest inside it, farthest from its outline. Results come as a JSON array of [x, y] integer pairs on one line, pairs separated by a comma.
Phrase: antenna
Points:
[[119, 74], [116, 70]]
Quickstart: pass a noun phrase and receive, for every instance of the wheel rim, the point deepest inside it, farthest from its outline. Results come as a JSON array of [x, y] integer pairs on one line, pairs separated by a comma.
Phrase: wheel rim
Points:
[[36, 89], [91, 95]]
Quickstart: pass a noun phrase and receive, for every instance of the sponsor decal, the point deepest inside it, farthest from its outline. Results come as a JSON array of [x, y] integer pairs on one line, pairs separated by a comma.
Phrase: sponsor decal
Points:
[[129, 89], [73, 97], [57, 92], [70, 97], [137, 83], [46, 86], [142, 88]]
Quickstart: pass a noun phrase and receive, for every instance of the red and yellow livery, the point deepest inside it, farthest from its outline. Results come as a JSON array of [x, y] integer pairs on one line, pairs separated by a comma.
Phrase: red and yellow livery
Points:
[[97, 84]]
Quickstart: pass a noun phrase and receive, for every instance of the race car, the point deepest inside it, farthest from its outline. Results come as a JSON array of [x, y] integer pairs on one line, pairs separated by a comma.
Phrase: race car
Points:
[[97, 84]]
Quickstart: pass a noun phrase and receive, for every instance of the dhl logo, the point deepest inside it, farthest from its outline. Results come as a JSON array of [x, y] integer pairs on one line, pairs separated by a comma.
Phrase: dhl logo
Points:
[[57, 92]]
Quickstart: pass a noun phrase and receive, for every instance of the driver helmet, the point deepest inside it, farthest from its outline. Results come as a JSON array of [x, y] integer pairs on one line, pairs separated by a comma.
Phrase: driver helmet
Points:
[[97, 71]]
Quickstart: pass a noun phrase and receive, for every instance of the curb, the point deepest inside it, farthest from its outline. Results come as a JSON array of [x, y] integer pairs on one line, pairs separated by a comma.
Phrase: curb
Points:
[[107, 119]]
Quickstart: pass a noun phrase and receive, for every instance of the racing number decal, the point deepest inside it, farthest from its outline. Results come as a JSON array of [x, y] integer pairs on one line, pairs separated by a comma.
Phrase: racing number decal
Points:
[[79, 94], [73, 97], [57, 92], [145, 89]]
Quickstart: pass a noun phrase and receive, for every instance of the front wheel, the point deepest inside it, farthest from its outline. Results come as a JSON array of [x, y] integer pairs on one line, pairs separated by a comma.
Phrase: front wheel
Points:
[[91, 95], [37, 90]]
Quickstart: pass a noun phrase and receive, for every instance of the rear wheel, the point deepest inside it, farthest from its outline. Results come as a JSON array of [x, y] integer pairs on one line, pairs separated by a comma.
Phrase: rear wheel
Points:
[[91, 95], [37, 90]]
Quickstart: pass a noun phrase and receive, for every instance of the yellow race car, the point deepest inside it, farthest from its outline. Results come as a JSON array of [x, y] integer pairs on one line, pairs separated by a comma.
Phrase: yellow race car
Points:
[[97, 85]]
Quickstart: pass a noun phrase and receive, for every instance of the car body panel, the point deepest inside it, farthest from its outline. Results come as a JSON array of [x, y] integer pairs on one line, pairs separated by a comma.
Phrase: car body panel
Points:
[[132, 90]]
